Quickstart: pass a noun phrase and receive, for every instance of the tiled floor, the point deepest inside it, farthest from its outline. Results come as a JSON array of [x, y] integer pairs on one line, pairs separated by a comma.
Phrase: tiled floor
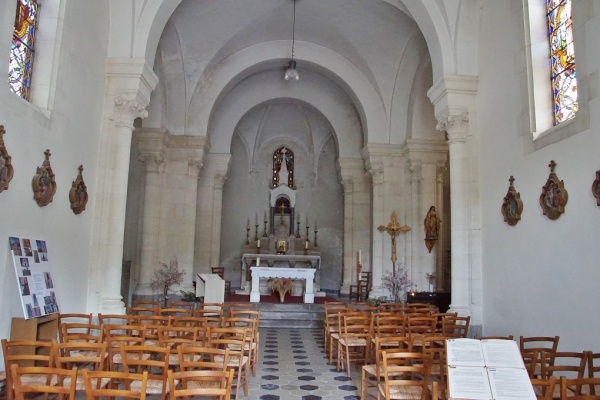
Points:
[[293, 366]]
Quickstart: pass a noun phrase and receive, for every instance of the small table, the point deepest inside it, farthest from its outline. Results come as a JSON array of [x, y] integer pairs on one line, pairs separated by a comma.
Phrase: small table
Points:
[[307, 274]]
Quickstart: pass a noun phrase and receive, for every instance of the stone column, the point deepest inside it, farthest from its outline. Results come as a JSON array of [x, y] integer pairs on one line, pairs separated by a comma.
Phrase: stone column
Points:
[[454, 98], [377, 175], [152, 156], [189, 224], [215, 251], [350, 259], [115, 197], [456, 126], [129, 83]]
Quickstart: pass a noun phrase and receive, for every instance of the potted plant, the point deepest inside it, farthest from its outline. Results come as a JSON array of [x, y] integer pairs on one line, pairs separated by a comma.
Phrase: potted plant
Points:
[[280, 285], [166, 276]]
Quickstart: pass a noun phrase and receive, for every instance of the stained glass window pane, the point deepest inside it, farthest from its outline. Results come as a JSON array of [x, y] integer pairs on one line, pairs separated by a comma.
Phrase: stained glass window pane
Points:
[[562, 55], [22, 52]]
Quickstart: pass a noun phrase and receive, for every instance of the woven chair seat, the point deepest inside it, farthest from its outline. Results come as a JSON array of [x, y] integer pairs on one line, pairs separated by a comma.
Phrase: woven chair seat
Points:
[[402, 393]]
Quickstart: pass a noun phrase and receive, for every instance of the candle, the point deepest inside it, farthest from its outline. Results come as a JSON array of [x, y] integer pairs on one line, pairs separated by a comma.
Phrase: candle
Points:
[[257, 261], [258, 243], [306, 245], [360, 256]]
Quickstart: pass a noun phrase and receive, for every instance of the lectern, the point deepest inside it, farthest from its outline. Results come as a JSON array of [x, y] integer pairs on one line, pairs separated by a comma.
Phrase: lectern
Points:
[[211, 287]]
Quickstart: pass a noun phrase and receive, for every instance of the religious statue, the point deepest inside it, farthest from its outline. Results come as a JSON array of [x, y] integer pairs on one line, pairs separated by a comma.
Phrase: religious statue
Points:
[[432, 224]]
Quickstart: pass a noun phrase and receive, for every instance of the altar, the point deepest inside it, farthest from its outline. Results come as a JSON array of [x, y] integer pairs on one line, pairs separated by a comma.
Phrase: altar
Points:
[[307, 274], [278, 261]]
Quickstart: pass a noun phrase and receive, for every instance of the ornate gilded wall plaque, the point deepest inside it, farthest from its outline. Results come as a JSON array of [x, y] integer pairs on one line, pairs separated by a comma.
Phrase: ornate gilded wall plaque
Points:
[[43, 183], [78, 196], [554, 196], [596, 188], [512, 206], [6, 168]]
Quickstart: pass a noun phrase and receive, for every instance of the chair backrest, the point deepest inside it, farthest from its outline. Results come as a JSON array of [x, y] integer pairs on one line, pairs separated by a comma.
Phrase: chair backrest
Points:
[[186, 305], [79, 355], [119, 335], [457, 327], [151, 359], [567, 363], [405, 369], [123, 390], [579, 388], [421, 325], [146, 303], [175, 312], [78, 332], [24, 353], [64, 318], [539, 343], [544, 388], [593, 365], [115, 319], [142, 310], [184, 384], [533, 348], [203, 358], [42, 380]]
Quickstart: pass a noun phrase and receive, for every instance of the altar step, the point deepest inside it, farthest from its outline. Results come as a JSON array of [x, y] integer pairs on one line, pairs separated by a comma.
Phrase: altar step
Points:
[[301, 316]]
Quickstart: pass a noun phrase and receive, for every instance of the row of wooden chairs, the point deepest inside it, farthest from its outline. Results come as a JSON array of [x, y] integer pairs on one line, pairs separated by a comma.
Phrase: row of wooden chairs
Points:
[[119, 384]]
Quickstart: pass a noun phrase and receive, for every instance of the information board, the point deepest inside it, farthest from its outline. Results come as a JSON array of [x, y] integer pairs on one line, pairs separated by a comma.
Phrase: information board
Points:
[[34, 276]]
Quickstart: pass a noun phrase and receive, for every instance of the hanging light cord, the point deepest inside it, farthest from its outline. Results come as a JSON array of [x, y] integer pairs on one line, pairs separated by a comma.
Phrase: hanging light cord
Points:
[[294, 30]]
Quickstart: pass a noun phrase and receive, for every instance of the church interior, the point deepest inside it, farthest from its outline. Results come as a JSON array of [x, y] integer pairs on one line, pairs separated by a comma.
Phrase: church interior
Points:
[[419, 136]]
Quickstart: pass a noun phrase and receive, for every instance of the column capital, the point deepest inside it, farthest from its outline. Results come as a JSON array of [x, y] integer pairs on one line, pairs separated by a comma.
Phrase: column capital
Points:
[[152, 161], [219, 180], [127, 110], [415, 167], [348, 185], [455, 125], [376, 171], [194, 166]]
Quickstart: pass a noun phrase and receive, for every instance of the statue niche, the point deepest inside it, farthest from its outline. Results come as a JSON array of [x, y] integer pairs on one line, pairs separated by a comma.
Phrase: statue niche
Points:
[[283, 167]]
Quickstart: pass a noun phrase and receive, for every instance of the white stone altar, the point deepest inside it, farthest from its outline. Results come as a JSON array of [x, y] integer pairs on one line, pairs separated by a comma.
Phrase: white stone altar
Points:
[[280, 261], [308, 274]]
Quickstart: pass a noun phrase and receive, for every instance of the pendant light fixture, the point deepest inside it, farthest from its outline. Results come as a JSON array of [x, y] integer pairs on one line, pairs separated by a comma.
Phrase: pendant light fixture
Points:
[[291, 73]]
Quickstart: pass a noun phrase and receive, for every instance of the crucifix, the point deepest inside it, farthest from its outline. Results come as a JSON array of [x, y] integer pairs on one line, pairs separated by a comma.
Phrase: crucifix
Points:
[[394, 229]]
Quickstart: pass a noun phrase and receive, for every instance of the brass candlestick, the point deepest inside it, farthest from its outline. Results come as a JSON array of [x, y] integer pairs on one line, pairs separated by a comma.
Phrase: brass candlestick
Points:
[[298, 229], [248, 235], [256, 232], [265, 231], [315, 244]]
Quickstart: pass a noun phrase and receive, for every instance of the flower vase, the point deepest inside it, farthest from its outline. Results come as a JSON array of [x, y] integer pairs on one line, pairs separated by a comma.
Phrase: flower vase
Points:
[[282, 295], [403, 297]]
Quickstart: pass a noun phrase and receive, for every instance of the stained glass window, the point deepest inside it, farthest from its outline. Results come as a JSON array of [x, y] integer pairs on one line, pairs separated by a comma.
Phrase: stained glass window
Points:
[[562, 54], [21, 55]]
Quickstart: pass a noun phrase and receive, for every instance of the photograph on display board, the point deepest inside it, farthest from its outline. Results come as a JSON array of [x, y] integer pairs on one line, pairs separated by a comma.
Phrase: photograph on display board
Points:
[[15, 246], [34, 277]]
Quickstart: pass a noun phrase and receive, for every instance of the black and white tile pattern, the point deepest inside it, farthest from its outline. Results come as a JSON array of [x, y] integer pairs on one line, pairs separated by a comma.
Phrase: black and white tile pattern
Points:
[[293, 366]]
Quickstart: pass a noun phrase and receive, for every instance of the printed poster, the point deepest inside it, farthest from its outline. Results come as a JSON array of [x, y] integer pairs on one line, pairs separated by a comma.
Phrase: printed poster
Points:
[[34, 276]]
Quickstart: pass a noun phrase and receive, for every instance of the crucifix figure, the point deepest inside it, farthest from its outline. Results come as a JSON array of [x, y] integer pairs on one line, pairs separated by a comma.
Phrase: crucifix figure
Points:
[[394, 229]]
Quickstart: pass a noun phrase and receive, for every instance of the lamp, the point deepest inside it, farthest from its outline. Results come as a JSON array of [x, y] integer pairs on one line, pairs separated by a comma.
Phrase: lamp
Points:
[[291, 73]]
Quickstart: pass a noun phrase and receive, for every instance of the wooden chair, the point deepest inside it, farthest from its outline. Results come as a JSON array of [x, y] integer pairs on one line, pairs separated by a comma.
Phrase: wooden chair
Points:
[[119, 385], [228, 307], [457, 327], [146, 303], [371, 374], [251, 325], [221, 272], [80, 355], [565, 363], [360, 291], [51, 381], [152, 323], [579, 388], [354, 341], [115, 319], [331, 322], [174, 337], [532, 345], [186, 305], [234, 339], [78, 332], [64, 318], [440, 320], [200, 383], [25, 353], [151, 359], [120, 335], [543, 388], [136, 311], [203, 358], [406, 375], [174, 312]]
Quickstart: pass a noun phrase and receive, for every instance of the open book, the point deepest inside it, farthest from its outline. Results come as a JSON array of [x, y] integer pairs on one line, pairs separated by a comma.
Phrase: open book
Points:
[[490, 369]]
